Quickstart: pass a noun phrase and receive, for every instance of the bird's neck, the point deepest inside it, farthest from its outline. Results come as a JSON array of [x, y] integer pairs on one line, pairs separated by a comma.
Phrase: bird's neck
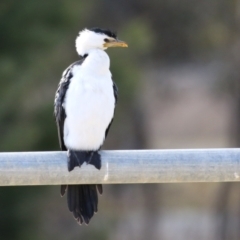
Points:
[[97, 61]]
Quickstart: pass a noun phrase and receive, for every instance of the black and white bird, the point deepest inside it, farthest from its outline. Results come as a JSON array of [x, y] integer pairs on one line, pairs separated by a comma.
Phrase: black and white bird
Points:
[[84, 109]]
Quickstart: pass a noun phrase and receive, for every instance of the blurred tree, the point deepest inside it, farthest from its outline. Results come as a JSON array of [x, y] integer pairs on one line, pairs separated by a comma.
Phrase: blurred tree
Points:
[[231, 85]]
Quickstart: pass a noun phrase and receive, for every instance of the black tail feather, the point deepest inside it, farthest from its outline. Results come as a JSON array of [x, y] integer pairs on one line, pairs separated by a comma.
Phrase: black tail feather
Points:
[[82, 199], [100, 189], [63, 190]]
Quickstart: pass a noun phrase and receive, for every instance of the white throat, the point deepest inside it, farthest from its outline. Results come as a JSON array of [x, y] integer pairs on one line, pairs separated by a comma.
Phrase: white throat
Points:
[[97, 62]]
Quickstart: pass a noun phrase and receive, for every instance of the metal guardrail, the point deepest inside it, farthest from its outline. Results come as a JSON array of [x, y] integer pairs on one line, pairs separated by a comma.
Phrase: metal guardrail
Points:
[[124, 166]]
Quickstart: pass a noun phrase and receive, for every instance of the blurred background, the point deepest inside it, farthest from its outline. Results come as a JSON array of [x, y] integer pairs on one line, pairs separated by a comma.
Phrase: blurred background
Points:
[[179, 88]]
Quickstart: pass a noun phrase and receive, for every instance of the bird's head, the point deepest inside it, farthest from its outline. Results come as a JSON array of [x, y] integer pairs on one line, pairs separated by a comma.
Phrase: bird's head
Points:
[[96, 38]]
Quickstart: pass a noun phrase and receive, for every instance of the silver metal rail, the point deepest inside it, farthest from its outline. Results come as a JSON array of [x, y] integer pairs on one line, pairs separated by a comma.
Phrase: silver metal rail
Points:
[[125, 166]]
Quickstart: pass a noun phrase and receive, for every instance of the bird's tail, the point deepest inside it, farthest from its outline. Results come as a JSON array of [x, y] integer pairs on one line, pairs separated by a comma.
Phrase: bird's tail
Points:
[[82, 199]]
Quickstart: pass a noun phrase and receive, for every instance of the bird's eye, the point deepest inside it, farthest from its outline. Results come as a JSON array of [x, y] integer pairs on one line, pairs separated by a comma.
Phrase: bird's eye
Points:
[[106, 40]]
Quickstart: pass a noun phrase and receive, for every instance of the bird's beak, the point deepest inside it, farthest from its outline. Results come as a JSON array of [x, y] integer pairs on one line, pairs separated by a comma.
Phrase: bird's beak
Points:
[[115, 43]]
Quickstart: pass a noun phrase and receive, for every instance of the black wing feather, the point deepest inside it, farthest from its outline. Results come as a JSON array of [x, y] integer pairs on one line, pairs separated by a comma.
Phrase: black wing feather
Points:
[[115, 92], [59, 111]]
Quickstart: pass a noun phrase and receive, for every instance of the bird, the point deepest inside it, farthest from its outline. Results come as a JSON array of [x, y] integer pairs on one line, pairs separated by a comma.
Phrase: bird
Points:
[[84, 108]]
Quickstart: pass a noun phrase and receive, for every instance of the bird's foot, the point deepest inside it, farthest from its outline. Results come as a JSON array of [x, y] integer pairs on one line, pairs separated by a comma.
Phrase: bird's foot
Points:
[[95, 159], [77, 158]]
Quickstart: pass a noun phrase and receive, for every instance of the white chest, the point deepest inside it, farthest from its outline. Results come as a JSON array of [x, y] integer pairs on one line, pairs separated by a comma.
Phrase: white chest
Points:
[[89, 107]]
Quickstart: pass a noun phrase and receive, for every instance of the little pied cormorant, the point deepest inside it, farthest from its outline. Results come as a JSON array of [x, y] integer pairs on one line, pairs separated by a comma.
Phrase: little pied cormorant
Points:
[[84, 108]]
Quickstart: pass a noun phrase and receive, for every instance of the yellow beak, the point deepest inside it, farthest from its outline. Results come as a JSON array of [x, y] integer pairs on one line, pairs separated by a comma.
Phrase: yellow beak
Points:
[[115, 43]]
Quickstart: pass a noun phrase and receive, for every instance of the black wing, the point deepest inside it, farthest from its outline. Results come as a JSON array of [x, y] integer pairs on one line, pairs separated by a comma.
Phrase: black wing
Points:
[[59, 111], [115, 92]]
